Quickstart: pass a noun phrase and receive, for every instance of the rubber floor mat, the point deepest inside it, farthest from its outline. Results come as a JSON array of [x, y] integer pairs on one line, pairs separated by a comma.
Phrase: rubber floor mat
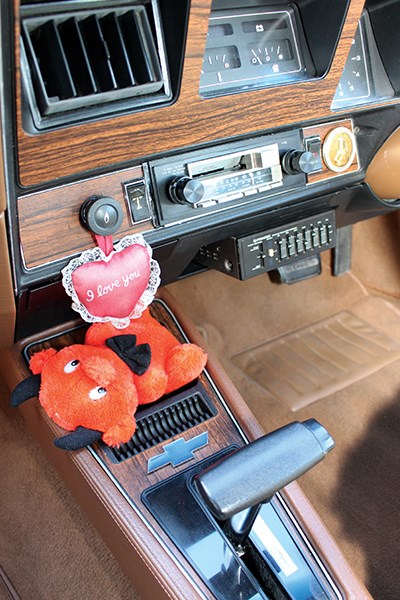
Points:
[[309, 364]]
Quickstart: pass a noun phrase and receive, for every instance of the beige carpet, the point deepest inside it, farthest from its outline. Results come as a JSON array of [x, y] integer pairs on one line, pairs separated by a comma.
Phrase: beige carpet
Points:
[[48, 549], [356, 489]]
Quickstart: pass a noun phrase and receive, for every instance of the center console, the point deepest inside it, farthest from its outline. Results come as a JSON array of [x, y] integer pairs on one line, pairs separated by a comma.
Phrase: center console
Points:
[[143, 499]]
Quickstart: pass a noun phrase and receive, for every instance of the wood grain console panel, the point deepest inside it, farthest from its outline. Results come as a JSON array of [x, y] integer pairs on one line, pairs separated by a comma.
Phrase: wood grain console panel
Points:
[[190, 120], [49, 221], [132, 473]]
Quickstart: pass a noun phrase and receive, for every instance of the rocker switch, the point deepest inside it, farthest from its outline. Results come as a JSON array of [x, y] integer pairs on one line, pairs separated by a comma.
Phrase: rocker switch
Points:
[[136, 196]]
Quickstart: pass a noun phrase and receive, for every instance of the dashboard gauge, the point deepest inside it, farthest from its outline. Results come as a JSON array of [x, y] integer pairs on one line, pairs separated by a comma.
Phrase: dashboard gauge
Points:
[[252, 48], [270, 53], [364, 79], [354, 84], [221, 59]]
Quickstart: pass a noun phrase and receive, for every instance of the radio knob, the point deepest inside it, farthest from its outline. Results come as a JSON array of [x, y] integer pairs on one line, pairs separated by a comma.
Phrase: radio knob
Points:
[[185, 190], [298, 161]]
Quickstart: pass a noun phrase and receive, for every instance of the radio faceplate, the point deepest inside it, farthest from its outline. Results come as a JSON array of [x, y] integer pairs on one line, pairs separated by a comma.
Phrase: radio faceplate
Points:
[[188, 187], [234, 175]]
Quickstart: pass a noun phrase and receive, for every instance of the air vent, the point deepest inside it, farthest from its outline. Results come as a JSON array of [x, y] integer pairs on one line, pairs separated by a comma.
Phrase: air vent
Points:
[[164, 421], [81, 61]]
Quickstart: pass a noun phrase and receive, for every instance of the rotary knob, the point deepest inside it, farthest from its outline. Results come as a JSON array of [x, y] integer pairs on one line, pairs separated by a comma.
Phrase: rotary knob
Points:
[[101, 214], [299, 161], [185, 190]]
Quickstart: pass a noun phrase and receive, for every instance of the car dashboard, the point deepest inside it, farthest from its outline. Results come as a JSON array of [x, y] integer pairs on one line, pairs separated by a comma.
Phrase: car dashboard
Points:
[[243, 137]]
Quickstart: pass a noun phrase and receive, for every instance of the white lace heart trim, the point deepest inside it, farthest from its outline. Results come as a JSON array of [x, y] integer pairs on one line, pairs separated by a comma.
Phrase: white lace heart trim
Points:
[[97, 255]]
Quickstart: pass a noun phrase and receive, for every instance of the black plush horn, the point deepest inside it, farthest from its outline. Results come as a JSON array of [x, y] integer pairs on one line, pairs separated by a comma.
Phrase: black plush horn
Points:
[[81, 437], [28, 388]]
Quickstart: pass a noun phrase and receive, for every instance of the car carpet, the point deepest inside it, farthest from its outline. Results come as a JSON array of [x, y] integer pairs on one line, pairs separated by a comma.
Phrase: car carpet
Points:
[[45, 538], [356, 489], [7, 589], [48, 548]]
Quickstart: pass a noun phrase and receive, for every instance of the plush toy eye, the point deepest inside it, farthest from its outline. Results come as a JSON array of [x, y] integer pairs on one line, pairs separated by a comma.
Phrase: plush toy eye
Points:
[[97, 393], [71, 366]]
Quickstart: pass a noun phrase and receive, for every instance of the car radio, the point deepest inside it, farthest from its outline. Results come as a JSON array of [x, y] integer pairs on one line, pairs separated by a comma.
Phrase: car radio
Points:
[[188, 186], [256, 172]]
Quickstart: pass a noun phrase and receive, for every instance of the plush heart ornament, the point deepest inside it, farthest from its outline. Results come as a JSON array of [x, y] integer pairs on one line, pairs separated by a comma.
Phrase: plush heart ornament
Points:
[[115, 288]]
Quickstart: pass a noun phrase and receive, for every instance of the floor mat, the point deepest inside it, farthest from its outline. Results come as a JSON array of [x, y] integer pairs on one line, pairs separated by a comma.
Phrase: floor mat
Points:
[[309, 364]]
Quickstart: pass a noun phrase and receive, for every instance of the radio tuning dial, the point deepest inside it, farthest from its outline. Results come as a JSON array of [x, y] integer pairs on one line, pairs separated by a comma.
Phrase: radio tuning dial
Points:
[[185, 190], [298, 161]]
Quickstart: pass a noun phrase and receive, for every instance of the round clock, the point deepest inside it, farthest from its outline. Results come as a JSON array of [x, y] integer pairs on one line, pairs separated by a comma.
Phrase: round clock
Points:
[[339, 149]]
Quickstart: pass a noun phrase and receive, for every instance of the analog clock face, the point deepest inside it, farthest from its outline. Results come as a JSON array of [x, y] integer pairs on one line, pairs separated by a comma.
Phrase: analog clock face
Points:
[[339, 149]]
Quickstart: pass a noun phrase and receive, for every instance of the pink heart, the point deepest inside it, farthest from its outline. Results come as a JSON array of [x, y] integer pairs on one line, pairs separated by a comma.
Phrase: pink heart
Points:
[[112, 288]]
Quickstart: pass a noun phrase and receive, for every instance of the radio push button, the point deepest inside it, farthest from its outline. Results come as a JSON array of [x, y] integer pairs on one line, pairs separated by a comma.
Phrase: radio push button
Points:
[[185, 190]]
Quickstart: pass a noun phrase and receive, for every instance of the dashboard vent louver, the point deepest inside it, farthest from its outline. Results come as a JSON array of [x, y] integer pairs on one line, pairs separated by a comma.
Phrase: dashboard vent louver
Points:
[[164, 422], [87, 59]]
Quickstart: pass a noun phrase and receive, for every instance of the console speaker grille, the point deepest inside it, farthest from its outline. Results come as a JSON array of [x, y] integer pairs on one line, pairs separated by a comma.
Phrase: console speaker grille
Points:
[[78, 60], [172, 417]]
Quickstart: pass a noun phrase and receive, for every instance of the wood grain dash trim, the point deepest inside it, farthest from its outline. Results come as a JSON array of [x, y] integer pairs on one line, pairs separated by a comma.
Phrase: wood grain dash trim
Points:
[[190, 120], [49, 223]]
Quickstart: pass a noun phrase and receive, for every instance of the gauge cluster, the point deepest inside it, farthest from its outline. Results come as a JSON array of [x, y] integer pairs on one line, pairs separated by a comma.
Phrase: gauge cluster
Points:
[[364, 79], [251, 48]]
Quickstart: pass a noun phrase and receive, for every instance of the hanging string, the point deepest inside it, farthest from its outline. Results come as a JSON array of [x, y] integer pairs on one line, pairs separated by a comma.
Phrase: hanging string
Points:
[[105, 243]]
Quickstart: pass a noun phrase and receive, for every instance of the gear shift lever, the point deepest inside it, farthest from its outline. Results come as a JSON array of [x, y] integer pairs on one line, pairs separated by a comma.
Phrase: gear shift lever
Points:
[[234, 488]]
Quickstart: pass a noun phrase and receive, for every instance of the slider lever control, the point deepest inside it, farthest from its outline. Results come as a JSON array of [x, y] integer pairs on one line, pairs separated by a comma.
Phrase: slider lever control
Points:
[[234, 487]]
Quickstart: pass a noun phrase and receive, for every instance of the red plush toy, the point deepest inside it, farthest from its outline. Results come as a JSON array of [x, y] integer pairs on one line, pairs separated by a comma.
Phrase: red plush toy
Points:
[[172, 364], [93, 390]]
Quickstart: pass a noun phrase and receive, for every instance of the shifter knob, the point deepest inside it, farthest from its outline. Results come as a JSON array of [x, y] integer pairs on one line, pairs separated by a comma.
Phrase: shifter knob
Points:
[[254, 473]]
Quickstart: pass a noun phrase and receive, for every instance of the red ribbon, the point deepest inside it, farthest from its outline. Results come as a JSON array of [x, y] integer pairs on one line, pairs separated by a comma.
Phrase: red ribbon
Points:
[[105, 243]]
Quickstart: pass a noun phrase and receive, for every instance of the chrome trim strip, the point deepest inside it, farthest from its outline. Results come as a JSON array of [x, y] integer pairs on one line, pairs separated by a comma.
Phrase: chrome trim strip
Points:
[[310, 547]]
